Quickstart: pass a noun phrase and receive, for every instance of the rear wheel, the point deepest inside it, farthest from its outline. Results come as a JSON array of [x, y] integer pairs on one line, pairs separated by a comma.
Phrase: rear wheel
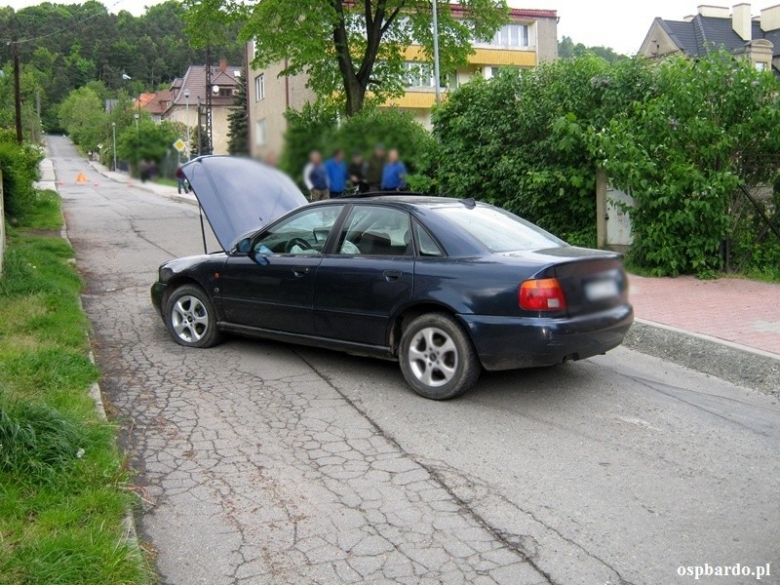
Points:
[[437, 358], [191, 318]]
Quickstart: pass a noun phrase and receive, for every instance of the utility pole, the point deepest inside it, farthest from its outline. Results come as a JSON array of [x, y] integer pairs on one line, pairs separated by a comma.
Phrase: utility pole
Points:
[[209, 120], [17, 90]]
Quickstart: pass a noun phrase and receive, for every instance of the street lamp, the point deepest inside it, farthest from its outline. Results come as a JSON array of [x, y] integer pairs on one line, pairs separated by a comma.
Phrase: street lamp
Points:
[[113, 133], [137, 116], [187, 116]]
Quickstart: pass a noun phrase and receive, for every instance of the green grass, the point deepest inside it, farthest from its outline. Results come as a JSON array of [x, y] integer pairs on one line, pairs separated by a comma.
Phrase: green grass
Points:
[[63, 485]]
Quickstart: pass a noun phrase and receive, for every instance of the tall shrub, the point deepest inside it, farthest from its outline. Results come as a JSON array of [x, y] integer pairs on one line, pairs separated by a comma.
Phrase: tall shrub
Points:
[[707, 127], [19, 164]]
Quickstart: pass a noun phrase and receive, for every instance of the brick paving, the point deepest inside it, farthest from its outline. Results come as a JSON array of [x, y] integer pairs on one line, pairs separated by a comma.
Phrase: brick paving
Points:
[[736, 310]]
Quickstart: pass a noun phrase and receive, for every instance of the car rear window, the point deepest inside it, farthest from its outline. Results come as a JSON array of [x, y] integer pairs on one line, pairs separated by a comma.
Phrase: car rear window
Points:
[[500, 231]]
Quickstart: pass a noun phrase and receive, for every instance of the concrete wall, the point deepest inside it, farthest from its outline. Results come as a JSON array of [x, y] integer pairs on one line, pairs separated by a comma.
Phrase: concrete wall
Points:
[[2, 224], [546, 39]]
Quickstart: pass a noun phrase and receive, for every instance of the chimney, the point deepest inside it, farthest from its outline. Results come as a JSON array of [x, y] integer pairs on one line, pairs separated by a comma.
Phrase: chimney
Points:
[[223, 65], [770, 18], [714, 11], [689, 18], [742, 21]]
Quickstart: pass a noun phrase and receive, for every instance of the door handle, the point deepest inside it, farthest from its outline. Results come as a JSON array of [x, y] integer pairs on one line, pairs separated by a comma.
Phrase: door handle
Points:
[[391, 275], [300, 271]]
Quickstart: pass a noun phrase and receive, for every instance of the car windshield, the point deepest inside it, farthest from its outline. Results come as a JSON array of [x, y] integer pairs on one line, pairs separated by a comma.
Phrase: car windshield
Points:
[[500, 231]]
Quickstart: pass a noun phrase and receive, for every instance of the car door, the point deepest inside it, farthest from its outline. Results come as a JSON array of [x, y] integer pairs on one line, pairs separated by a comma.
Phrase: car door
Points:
[[270, 285], [369, 275]]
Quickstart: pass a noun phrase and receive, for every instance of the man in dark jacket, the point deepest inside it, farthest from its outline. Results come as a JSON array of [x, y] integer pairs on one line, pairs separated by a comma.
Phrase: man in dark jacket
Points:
[[375, 167], [357, 173]]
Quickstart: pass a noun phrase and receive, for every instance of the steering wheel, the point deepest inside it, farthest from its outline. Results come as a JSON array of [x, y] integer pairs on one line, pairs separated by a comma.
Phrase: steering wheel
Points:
[[300, 242]]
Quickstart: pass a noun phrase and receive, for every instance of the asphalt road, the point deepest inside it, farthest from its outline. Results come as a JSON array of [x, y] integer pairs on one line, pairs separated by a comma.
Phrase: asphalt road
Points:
[[266, 463]]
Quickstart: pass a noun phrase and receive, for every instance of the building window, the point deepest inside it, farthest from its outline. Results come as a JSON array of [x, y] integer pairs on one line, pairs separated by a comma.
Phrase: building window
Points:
[[420, 75], [260, 133], [260, 87], [761, 66], [225, 92], [511, 36]]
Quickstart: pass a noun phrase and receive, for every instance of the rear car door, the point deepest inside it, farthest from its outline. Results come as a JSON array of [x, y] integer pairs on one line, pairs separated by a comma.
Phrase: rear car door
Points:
[[367, 278], [271, 285]]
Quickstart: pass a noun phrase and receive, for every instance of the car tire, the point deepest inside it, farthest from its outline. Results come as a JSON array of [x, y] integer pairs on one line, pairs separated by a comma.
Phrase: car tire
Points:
[[191, 318], [437, 357]]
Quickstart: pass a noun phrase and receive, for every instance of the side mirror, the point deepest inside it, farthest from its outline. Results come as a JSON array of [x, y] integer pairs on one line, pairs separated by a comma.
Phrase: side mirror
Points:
[[244, 246]]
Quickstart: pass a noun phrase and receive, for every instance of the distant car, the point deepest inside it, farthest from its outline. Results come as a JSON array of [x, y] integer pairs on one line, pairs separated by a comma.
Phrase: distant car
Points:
[[445, 286]]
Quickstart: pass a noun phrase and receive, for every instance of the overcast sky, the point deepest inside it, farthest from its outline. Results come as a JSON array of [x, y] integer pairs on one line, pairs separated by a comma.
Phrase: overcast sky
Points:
[[620, 24]]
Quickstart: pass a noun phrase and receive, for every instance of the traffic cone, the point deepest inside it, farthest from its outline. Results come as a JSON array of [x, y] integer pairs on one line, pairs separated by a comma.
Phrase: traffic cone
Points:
[[97, 183]]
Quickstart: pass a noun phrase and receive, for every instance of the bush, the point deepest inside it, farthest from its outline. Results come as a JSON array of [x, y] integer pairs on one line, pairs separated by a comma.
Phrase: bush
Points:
[[19, 165], [317, 128], [519, 140]]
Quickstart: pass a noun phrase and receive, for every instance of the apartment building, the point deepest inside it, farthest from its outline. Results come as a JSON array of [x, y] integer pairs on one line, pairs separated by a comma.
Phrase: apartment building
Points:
[[530, 38], [756, 38]]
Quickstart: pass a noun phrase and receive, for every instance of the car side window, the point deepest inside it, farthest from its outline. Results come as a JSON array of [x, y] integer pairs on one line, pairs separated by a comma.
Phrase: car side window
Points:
[[377, 231], [304, 233], [427, 245]]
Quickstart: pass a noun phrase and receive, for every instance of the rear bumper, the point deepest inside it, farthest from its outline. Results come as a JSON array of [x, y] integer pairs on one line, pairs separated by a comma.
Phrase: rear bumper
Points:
[[508, 343], [158, 290]]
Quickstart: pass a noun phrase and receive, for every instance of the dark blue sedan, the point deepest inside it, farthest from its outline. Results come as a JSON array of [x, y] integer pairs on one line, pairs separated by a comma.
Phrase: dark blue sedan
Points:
[[445, 286]]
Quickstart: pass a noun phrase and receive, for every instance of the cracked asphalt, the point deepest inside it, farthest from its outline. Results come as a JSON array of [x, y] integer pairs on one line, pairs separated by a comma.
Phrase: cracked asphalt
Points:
[[267, 463]]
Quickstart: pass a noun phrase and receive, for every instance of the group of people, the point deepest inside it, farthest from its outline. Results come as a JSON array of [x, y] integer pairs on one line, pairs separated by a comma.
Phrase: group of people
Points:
[[331, 178]]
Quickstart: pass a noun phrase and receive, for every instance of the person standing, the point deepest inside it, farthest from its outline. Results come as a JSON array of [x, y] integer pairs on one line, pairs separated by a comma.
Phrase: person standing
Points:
[[394, 173], [357, 173], [375, 167], [316, 177], [337, 173]]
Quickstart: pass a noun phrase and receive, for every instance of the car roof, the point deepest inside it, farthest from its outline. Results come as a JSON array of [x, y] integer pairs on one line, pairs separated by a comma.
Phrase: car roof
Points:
[[401, 199]]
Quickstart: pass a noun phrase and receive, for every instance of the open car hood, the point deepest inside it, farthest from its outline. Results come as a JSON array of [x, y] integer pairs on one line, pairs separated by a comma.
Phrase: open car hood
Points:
[[239, 195]]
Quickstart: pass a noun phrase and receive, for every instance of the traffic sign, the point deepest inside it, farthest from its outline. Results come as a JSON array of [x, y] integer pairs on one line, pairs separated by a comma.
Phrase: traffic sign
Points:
[[180, 145]]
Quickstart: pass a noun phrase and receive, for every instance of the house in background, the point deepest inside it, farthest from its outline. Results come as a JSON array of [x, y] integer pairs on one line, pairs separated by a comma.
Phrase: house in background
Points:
[[188, 92], [530, 38], [155, 103], [719, 28]]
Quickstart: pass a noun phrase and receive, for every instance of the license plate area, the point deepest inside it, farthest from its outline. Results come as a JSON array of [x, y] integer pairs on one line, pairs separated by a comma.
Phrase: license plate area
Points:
[[602, 289]]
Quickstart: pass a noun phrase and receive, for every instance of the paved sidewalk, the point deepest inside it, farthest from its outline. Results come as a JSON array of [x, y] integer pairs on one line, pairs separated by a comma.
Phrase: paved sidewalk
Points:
[[739, 311], [157, 188]]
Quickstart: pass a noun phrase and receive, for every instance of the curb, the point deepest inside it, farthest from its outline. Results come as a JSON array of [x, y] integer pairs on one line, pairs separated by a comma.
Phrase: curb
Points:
[[102, 171], [728, 361]]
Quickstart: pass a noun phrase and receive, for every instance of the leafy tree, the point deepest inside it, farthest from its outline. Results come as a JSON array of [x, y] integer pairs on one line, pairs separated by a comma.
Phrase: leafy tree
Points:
[[83, 116], [567, 49], [238, 119], [148, 142], [349, 48], [707, 127]]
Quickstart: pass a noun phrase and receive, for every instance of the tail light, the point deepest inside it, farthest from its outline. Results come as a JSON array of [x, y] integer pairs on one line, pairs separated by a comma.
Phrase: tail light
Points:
[[543, 294]]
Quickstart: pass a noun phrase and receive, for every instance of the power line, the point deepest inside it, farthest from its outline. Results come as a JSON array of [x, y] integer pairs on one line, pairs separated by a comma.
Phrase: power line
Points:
[[56, 32]]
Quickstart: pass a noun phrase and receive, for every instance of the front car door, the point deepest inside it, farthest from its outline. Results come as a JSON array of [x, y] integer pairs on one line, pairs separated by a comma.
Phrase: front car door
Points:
[[369, 275], [271, 284]]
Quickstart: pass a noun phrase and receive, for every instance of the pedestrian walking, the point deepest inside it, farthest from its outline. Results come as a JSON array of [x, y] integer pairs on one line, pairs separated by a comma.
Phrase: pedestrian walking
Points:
[[315, 176], [337, 173], [374, 168], [182, 180], [394, 173]]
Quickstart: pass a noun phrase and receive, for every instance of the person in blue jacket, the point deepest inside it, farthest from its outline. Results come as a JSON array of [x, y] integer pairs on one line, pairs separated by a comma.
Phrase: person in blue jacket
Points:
[[337, 173], [394, 173]]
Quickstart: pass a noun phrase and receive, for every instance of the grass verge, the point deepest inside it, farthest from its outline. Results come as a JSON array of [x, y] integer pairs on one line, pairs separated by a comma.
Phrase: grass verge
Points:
[[63, 485]]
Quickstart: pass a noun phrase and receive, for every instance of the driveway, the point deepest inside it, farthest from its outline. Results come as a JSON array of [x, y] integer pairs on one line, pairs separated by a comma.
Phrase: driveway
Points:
[[268, 463]]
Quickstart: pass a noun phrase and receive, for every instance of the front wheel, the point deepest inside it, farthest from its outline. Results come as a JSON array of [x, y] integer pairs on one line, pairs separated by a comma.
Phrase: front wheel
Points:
[[191, 318], [437, 358]]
